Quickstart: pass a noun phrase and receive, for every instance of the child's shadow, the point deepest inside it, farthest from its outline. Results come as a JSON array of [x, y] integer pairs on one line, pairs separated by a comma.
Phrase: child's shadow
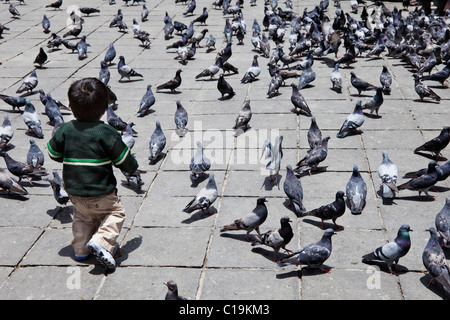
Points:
[[123, 252]]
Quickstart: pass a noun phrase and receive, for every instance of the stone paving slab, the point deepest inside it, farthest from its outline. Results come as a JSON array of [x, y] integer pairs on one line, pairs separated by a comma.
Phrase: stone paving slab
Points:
[[159, 242]]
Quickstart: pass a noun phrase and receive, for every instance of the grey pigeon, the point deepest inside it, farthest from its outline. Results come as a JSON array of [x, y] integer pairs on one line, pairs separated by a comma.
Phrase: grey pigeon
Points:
[[423, 90], [224, 87], [181, 119], [110, 54], [274, 155], [82, 48], [55, 5], [360, 84], [157, 143], [243, 118], [14, 102], [277, 239], [104, 74], [428, 64], [336, 79], [172, 84], [35, 156], [436, 144], [298, 100], [88, 11], [307, 77], [391, 252], [144, 13], [20, 169], [114, 120], [199, 162], [46, 24], [57, 185], [29, 83], [210, 43], [41, 58], [330, 211], [252, 72], [147, 101], [203, 17], [356, 192], [314, 134], [6, 133], [443, 172], [422, 183], [13, 10], [31, 119], [125, 71], [386, 80], [134, 178], [172, 291], [314, 157], [275, 84], [293, 189], [9, 183], [251, 221], [52, 110], [313, 255], [128, 135], [204, 198], [211, 70], [442, 223], [353, 121], [433, 259], [439, 76], [189, 10], [388, 173], [374, 103], [70, 44]]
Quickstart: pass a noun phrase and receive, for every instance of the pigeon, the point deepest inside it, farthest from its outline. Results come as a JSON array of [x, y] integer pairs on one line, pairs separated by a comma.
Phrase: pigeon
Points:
[[443, 172], [423, 90], [433, 258], [172, 84], [189, 10], [114, 120], [6, 133], [442, 223], [306, 78], [198, 37], [168, 30], [388, 173], [243, 118], [35, 156], [31, 119], [199, 162], [104, 74], [293, 189], [392, 251], [336, 79], [88, 11], [277, 239], [52, 110], [422, 183], [202, 18], [126, 71], [330, 211], [253, 72], [360, 85], [110, 54], [57, 185], [46, 24], [251, 221], [437, 144], [204, 198], [147, 101], [179, 43], [353, 122], [211, 70], [181, 119], [386, 80], [298, 100], [144, 13], [82, 48], [227, 31], [313, 255], [14, 102], [55, 5], [356, 192], [29, 83], [210, 43], [374, 103], [224, 88], [20, 169], [179, 26], [128, 135], [314, 134], [55, 42], [172, 291], [439, 76], [41, 58], [70, 44], [428, 64], [9, 183], [13, 10], [275, 154], [275, 84], [314, 157], [74, 30], [157, 143]]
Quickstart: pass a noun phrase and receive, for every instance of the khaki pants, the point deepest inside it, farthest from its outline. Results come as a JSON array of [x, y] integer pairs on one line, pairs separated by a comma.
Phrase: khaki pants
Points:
[[99, 219]]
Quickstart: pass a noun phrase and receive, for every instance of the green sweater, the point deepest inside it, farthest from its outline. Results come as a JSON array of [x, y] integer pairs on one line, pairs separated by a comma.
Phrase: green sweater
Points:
[[88, 149]]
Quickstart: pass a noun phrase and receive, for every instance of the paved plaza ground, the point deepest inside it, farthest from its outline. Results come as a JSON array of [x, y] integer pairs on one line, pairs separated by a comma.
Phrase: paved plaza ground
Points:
[[159, 242]]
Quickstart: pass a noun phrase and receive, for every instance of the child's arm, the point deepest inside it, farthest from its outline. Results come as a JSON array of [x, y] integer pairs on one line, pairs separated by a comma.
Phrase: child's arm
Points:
[[122, 158], [55, 147]]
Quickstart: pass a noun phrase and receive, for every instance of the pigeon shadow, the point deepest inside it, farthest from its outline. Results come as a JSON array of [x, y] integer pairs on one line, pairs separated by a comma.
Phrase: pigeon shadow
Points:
[[268, 184], [416, 198], [239, 131], [435, 287], [123, 252], [400, 269], [12, 196], [316, 170], [268, 254], [356, 95], [372, 116], [227, 97], [272, 95], [200, 215], [161, 156], [373, 58], [430, 156], [170, 92], [132, 186], [27, 94], [426, 101], [240, 236], [62, 214], [196, 181], [130, 80], [329, 62], [326, 225]]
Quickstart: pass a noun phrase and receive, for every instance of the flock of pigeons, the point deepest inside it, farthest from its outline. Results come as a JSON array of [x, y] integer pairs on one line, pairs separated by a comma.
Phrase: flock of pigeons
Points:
[[421, 41]]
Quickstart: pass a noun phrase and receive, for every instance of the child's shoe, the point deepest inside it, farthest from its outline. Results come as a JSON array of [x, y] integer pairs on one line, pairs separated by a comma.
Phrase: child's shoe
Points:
[[102, 255], [82, 258]]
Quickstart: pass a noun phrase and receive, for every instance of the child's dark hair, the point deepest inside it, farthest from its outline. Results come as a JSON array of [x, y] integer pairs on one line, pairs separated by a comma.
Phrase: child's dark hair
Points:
[[88, 99]]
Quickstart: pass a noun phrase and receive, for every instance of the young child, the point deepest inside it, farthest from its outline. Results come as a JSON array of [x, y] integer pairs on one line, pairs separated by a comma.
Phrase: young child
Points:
[[88, 149]]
